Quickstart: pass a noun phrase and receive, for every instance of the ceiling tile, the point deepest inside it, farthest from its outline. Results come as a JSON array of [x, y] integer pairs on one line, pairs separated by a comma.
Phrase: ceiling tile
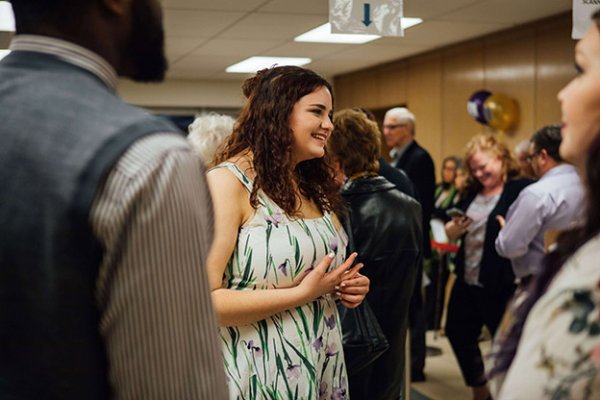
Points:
[[194, 66], [188, 23], [241, 48], [311, 50], [308, 7], [268, 26], [180, 46], [509, 11], [215, 5], [434, 8]]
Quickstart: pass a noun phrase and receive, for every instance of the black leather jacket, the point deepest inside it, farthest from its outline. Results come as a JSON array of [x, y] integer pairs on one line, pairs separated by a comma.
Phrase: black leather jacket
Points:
[[386, 229]]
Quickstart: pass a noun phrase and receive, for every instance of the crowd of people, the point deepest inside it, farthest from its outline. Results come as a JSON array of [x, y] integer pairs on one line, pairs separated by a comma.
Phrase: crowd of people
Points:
[[136, 264]]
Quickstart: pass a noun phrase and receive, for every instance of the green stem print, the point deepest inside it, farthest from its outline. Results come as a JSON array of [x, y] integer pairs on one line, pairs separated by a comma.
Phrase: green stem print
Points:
[[294, 354]]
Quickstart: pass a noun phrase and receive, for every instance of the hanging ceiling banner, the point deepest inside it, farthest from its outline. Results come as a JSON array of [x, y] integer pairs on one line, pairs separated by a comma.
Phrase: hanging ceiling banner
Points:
[[582, 16], [374, 17]]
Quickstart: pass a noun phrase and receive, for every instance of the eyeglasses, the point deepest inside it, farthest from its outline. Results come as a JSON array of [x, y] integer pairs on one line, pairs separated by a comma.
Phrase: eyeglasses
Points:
[[393, 126]]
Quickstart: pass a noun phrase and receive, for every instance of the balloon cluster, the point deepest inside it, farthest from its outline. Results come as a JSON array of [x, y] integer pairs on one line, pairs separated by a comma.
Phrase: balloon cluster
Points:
[[497, 111]]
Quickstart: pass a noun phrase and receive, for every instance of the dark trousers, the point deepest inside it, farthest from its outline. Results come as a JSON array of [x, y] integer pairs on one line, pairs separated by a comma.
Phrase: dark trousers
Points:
[[418, 327], [470, 308], [435, 291]]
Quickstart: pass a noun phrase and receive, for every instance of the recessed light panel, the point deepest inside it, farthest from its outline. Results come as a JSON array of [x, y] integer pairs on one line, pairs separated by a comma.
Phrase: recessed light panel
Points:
[[322, 34], [7, 18], [253, 64]]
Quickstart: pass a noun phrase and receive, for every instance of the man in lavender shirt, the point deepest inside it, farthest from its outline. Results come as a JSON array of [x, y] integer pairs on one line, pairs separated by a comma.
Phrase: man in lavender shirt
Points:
[[552, 203]]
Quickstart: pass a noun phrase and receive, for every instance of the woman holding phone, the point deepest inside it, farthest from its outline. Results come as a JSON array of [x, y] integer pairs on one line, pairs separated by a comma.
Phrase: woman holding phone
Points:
[[485, 281]]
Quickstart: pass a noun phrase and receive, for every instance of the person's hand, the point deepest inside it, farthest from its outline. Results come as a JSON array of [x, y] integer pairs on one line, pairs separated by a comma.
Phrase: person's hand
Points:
[[457, 227], [318, 282], [353, 289], [501, 221]]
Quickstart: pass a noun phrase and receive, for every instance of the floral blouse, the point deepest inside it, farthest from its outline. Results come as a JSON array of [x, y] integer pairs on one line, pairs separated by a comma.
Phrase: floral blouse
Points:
[[559, 352]]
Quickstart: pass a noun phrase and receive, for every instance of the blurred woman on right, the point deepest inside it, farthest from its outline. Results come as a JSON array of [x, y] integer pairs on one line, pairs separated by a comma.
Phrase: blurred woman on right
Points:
[[484, 280], [553, 348]]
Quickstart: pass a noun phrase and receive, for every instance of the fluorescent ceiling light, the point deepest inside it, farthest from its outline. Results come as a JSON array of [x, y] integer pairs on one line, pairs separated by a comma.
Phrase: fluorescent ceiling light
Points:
[[407, 22], [3, 53], [7, 18], [254, 64], [322, 34]]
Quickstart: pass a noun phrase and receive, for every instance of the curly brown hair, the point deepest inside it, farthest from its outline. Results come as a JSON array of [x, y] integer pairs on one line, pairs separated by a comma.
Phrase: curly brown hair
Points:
[[263, 128], [355, 142], [487, 142]]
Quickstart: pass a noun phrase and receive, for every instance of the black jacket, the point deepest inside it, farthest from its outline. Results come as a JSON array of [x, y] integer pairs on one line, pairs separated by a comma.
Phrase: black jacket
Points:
[[495, 271], [418, 165], [386, 228], [398, 177]]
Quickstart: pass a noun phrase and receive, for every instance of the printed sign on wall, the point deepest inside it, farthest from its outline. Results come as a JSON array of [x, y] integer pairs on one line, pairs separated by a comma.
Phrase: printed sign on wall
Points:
[[582, 13], [374, 17]]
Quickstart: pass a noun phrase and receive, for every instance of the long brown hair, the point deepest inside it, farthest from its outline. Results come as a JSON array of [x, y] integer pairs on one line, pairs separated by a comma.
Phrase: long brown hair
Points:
[[263, 128], [567, 244]]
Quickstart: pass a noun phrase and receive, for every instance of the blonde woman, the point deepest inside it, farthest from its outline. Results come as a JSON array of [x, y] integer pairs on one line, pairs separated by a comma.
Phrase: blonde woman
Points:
[[485, 281]]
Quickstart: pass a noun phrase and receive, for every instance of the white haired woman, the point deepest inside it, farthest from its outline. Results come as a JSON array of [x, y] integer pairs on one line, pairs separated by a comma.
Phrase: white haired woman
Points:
[[208, 132]]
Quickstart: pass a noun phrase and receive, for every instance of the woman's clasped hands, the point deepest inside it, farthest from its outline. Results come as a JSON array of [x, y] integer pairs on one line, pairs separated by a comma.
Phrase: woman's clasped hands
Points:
[[344, 282]]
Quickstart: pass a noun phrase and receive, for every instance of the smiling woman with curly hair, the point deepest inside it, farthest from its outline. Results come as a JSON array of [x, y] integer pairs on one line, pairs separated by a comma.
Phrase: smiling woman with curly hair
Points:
[[278, 261]]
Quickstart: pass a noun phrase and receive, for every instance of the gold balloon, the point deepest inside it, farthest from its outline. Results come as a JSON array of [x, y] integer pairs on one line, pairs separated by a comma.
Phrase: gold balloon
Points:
[[501, 112]]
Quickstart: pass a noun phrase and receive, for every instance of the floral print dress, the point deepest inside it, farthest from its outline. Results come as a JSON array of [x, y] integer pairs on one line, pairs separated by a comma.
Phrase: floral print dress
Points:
[[295, 354], [559, 352]]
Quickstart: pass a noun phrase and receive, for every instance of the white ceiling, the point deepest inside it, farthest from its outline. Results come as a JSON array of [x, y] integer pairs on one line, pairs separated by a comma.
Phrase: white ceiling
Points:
[[203, 37]]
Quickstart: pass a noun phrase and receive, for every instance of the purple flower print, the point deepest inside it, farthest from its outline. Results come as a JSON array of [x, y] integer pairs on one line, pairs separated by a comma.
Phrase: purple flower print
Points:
[[293, 371], [331, 350], [339, 393], [330, 321], [275, 219], [254, 349], [283, 268], [323, 392], [318, 343], [333, 243]]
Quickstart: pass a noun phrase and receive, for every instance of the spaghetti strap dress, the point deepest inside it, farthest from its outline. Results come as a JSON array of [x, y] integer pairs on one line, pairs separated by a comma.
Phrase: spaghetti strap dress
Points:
[[297, 353]]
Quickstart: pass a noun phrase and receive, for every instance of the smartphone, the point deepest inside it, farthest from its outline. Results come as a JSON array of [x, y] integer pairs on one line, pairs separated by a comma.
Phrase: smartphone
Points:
[[455, 212]]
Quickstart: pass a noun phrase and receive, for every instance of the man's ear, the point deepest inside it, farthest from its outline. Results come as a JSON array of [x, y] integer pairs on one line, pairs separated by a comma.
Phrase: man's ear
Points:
[[116, 7]]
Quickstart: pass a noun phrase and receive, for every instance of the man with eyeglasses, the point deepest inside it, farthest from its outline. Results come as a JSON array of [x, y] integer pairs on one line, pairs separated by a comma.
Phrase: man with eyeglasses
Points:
[[399, 133], [552, 203]]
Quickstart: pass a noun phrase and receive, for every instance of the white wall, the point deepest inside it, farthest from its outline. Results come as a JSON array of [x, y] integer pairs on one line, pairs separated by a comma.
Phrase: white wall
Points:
[[185, 94]]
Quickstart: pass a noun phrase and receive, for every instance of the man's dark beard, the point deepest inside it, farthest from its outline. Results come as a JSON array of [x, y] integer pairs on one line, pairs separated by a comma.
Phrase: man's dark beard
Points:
[[147, 44]]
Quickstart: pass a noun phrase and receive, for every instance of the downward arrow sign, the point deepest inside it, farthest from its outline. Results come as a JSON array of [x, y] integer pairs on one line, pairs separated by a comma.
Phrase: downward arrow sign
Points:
[[367, 14]]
